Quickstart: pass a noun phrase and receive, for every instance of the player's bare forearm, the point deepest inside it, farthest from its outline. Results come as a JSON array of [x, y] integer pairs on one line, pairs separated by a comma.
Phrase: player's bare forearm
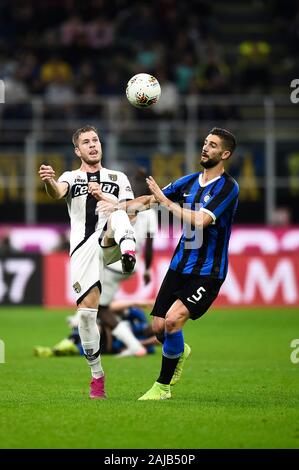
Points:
[[132, 207], [141, 203], [198, 219], [54, 189]]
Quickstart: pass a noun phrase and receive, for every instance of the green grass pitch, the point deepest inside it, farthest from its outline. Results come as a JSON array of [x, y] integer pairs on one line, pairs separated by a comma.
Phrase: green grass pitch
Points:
[[239, 389]]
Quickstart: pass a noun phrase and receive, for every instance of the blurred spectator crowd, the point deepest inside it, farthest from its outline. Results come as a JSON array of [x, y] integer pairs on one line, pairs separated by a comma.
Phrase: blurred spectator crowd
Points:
[[63, 49]]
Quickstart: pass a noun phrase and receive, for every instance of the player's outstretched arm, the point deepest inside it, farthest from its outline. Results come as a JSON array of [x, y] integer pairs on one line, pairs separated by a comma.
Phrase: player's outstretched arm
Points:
[[139, 204], [132, 207], [55, 189], [198, 219]]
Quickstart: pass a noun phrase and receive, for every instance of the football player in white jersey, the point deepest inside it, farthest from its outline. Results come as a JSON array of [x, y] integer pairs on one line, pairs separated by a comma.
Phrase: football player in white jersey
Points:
[[96, 238]]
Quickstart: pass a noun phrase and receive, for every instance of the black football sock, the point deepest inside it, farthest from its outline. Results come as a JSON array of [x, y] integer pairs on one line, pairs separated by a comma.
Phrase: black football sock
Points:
[[167, 369], [172, 350]]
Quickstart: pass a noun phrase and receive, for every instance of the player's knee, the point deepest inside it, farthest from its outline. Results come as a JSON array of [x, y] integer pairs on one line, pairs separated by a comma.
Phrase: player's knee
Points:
[[87, 305], [157, 330], [171, 324], [91, 300]]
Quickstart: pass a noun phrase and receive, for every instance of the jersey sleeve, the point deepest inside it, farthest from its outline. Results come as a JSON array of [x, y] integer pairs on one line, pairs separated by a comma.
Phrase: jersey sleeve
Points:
[[175, 191], [171, 192], [66, 177], [125, 189], [222, 199]]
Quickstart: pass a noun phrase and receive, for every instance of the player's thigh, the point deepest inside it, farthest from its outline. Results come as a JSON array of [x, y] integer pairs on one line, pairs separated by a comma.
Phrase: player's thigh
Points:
[[110, 285], [87, 268], [167, 293]]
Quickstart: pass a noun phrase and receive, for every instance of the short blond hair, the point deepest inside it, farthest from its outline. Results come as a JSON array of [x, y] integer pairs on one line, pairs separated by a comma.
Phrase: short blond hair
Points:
[[80, 131]]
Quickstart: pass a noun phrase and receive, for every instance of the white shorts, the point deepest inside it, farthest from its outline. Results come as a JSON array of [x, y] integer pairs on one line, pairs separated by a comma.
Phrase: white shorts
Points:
[[87, 265], [113, 275]]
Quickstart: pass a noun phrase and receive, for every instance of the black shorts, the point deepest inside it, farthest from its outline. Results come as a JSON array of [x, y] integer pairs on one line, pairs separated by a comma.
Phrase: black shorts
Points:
[[196, 292]]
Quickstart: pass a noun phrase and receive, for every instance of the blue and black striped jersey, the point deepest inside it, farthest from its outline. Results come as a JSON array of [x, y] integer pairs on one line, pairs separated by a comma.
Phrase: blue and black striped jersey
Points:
[[219, 198]]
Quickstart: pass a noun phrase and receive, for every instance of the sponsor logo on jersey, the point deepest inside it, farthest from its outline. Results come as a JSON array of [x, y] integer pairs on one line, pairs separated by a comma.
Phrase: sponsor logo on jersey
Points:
[[207, 197], [79, 190], [79, 180], [112, 177], [128, 188], [93, 178], [110, 188], [77, 287], [106, 187]]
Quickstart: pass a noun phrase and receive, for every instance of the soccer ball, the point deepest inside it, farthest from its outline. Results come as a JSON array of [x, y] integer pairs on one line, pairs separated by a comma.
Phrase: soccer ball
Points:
[[143, 90]]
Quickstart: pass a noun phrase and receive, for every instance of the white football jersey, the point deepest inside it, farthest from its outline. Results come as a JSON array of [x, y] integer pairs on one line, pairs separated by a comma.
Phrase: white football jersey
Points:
[[85, 220]]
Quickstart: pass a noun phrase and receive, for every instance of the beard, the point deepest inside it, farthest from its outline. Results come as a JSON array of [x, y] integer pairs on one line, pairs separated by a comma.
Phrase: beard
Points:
[[210, 163]]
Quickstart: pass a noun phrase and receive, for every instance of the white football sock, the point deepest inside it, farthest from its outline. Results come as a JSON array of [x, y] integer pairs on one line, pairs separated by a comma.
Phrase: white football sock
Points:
[[123, 231], [123, 332], [90, 339]]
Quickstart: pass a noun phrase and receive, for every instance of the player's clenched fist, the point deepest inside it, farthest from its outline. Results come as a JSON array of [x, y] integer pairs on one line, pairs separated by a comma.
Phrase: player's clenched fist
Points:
[[95, 190], [46, 172]]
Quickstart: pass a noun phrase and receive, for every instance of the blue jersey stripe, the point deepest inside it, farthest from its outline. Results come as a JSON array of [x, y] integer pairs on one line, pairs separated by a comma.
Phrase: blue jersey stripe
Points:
[[177, 256], [207, 267], [224, 259], [189, 233], [232, 195]]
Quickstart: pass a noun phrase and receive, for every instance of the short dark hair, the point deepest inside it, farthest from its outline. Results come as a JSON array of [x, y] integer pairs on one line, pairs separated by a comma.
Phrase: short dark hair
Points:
[[80, 131], [227, 138]]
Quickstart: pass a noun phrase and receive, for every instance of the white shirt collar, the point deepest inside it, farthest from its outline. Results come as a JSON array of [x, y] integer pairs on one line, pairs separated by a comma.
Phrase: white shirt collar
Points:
[[203, 185]]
